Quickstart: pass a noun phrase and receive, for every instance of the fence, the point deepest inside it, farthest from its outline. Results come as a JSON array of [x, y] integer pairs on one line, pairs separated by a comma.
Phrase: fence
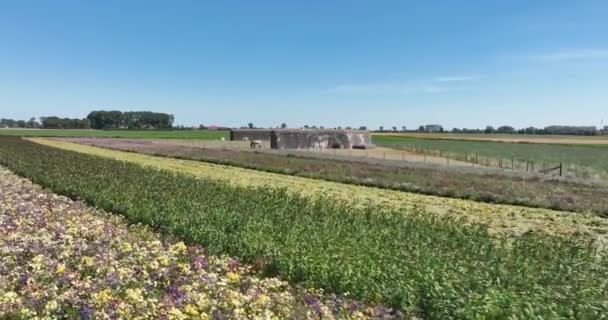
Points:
[[512, 163], [404, 153], [442, 158]]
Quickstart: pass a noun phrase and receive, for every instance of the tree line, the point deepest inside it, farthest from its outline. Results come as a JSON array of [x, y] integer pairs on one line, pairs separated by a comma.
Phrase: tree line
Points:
[[130, 120], [98, 120], [10, 123], [46, 123], [549, 130]]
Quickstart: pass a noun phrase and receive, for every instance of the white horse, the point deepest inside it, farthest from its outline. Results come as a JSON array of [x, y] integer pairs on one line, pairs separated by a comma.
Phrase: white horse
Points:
[[255, 144]]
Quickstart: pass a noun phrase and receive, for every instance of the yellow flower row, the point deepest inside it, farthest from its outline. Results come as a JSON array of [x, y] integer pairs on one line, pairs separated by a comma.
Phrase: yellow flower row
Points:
[[500, 219], [60, 259]]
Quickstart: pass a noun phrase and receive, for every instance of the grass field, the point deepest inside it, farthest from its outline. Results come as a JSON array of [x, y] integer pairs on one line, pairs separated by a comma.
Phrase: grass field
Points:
[[403, 255], [585, 161], [478, 183], [151, 134], [531, 138]]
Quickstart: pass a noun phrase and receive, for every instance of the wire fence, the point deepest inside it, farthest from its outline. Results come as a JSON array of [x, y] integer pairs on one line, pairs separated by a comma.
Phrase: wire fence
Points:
[[401, 153], [507, 163], [440, 157]]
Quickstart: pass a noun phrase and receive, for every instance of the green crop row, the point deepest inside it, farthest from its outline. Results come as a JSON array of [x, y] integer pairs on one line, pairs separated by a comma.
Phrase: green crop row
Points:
[[430, 268]]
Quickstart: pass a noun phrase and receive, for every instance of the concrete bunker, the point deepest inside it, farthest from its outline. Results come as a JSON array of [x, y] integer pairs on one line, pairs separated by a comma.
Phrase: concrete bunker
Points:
[[250, 134], [320, 139]]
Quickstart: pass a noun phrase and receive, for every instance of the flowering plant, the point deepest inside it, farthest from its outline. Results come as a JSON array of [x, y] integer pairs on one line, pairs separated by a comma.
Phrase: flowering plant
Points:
[[62, 259]]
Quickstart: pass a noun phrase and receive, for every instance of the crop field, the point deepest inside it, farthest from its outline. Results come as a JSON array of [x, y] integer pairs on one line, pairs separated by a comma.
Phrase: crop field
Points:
[[375, 153], [499, 219], [151, 134], [584, 161], [524, 138], [380, 246], [63, 259], [479, 183]]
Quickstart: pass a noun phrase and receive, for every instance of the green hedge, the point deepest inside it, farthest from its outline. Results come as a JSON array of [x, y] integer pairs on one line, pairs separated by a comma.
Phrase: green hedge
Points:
[[430, 268]]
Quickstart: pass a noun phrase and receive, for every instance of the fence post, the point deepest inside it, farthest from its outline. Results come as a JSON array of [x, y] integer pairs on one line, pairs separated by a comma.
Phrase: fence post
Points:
[[527, 165], [560, 168], [425, 158], [532, 163], [476, 159], [512, 164]]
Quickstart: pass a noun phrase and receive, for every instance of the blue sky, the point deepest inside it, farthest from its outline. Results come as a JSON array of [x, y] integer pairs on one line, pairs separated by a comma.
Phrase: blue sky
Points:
[[330, 63]]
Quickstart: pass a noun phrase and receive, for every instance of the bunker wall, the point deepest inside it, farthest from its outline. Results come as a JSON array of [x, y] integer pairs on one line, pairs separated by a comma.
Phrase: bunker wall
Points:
[[250, 134]]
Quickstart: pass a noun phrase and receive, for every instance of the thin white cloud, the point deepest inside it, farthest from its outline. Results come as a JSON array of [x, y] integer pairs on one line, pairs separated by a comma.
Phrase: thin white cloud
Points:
[[390, 88], [456, 78], [436, 89], [370, 88], [578, 54], [429, 86]]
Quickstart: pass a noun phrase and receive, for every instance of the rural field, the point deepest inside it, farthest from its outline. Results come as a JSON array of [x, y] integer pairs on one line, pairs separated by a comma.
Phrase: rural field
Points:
[[479, 183], [314, 160], [150, 134], [100, 267], [579, 160], [299, 247], [521, 138]]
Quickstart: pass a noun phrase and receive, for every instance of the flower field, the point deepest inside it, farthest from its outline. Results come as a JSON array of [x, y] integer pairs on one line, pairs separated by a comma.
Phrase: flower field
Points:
[[500, 220], [400, 257], [478, 183], [61, 259]]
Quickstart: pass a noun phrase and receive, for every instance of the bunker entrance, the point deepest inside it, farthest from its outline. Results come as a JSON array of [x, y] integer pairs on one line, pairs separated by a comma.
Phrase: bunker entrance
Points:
[[334, 144]]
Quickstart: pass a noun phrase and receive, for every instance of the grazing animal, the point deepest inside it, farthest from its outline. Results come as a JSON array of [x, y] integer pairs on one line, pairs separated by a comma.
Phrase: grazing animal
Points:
[[255, 144]]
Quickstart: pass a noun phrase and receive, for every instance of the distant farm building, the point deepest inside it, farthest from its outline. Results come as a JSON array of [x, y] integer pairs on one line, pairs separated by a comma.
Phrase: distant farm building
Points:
[[307, 138], [433, 128]]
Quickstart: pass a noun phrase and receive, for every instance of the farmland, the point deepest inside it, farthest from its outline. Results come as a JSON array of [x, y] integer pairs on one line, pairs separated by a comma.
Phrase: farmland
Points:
[[585, 161], [151, 134], [95, 266], [522, 138], [478, 184], [396, 249], [499, 219]]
